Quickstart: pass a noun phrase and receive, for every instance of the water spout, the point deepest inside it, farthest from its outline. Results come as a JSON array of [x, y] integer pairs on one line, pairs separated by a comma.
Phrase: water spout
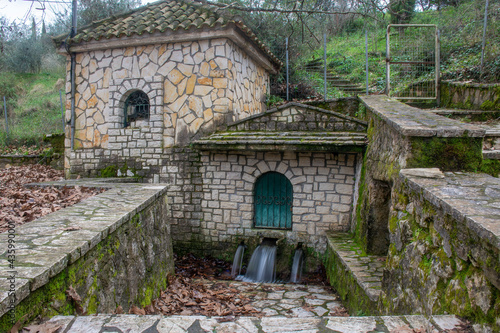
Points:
[[298, 261], [261, 267], [238, 260]]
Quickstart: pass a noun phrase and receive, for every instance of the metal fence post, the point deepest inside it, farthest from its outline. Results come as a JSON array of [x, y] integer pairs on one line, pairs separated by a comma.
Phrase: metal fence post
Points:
[[287, 83], [62, 110], [366, 58], [484, 36], [6, 119], [324, 62]]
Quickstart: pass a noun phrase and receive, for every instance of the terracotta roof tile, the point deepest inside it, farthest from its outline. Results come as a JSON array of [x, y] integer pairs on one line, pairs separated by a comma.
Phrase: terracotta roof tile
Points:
[[162, 16]]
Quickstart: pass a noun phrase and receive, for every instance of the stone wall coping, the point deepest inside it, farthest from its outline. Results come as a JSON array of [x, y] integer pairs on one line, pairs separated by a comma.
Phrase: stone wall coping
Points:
[[471, 84], [415, 122], [46, 246], [264, 140], [473, 197], [299, 105]]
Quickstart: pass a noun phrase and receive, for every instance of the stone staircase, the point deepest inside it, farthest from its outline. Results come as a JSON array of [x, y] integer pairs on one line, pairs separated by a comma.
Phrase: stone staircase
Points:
[[335, 81]]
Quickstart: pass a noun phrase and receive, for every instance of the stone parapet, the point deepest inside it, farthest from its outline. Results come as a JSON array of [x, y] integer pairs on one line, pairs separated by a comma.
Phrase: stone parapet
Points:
[[401, 136], [114, 249], [445, 245], [410, 121]]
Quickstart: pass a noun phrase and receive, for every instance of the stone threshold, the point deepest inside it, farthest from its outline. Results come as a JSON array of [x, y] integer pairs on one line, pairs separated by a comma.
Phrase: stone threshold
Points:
[[364, 270], [164, 324], [46, 246]]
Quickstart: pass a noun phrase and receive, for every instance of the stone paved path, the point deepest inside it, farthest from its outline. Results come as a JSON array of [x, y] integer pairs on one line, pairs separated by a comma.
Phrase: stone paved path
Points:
[[289, 300], [200, 324]]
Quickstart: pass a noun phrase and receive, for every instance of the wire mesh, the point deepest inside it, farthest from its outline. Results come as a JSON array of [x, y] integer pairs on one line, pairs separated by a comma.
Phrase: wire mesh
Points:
[[412, 61]]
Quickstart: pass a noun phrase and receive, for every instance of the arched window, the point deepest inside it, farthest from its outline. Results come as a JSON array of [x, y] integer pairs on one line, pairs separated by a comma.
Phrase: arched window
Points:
[[273, 199], [136, 107]]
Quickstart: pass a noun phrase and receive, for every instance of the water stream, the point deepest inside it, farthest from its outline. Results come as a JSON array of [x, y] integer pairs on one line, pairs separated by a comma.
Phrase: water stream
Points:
[[261, 267], [238, 260], [298, 261]]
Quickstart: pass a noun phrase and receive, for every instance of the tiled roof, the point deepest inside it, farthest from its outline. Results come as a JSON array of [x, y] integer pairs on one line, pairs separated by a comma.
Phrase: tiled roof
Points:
[[165, 15]]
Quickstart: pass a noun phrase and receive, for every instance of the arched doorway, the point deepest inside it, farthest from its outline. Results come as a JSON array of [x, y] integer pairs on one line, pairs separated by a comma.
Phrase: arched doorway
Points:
[[273, 199]]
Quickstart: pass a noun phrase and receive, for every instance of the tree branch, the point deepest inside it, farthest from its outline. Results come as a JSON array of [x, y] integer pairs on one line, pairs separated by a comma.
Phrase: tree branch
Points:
[[286, 11]]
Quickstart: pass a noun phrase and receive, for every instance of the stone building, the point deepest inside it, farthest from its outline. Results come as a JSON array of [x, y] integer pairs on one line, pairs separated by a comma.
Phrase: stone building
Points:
[[174, 92]]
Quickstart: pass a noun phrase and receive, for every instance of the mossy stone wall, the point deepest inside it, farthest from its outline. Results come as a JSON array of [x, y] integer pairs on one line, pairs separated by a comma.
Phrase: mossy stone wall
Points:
[[472, 96], [436, 263], [129, 267]]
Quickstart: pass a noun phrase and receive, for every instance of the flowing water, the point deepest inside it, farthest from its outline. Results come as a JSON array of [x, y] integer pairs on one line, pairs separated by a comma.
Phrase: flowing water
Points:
[[261, 267], [298, 261], [237, 261]]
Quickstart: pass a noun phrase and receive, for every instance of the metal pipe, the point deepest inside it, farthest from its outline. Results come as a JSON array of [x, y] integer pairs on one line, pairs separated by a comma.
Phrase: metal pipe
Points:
[[62, 109], [438, 68], [366, 58], [73, 77], [484, 35], [324, 62], [387, 62], [6, 118]]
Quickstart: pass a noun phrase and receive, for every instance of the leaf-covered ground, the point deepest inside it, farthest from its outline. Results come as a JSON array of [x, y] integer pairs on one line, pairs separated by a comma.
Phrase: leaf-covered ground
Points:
[[199, 289], [22, 204]]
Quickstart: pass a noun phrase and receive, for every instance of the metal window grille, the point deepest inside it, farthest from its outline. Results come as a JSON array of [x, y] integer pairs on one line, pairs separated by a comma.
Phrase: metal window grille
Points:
[[136, 107]]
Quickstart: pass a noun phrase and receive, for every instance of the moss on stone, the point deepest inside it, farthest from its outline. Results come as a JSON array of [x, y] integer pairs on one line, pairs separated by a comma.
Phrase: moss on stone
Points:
[[491, 167], [448, 154]]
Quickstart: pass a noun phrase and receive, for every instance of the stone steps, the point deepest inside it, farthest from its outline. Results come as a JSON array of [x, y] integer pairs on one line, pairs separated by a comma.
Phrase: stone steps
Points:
[[356, 276], [164, 324]]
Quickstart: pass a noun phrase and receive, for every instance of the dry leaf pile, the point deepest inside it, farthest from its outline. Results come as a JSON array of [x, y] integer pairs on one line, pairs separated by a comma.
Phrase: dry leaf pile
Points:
[[21, 150], [209, 268], [22, 204], [185, 296]]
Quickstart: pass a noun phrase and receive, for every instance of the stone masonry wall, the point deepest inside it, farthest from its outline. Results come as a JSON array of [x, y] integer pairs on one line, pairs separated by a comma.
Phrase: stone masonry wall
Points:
[[473, 96], [300, 118], [114, 249], [400, 137], [193, 87], [444, 252], [323, 184]]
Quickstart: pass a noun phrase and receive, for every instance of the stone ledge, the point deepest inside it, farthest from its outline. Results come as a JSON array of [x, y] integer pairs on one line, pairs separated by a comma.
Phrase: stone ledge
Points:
[[355, 276], [491, 154], [45, 247], [351, 255], [469, 196], [411, 121], [163, 324]]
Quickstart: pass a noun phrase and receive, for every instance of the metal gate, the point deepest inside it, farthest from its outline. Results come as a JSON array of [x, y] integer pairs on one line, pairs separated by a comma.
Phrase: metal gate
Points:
[[273, 201], [412, 61]]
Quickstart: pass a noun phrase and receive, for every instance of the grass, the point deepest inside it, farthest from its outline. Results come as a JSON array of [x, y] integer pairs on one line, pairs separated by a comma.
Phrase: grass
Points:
[[461, 31], [33, 107]]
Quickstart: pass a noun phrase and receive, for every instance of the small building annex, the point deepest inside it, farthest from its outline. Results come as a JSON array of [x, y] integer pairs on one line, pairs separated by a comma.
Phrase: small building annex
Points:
[[174, 92]]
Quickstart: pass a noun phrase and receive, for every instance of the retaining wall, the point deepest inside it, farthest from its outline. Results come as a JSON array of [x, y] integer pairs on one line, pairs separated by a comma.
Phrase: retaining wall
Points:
[[445, 247], [474, 96]]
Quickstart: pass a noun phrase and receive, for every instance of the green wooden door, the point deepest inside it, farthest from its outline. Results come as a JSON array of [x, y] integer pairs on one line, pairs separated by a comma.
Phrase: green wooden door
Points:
[[273, 201]]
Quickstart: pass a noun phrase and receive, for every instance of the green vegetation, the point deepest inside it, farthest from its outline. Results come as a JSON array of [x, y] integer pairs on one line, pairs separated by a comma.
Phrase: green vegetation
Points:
[[33, 107]]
